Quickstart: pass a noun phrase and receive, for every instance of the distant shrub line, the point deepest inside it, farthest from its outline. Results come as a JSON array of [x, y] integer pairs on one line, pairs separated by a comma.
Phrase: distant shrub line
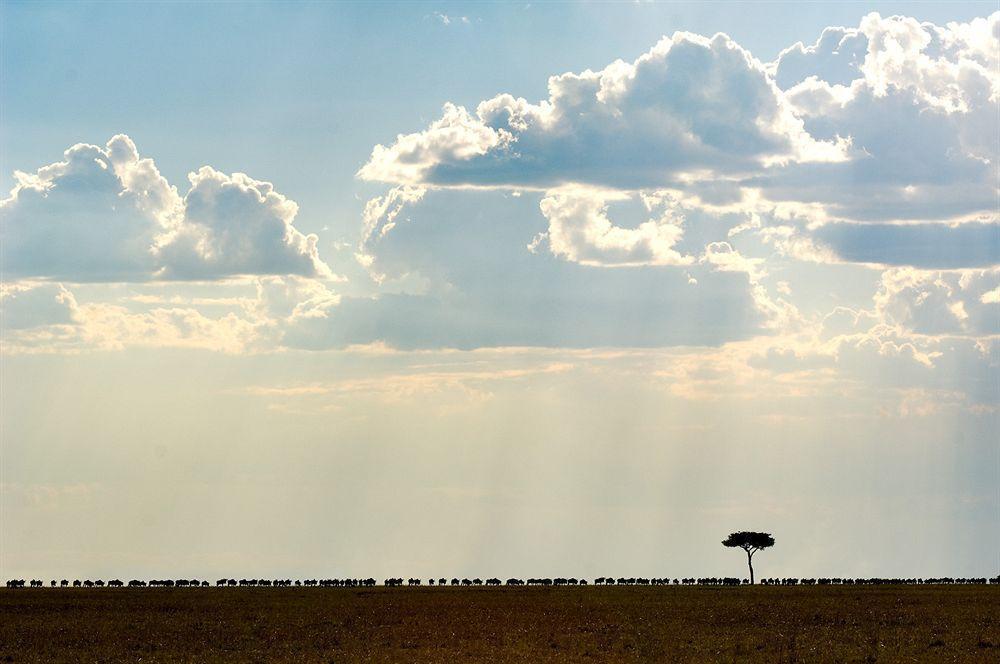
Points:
[[399, 582]]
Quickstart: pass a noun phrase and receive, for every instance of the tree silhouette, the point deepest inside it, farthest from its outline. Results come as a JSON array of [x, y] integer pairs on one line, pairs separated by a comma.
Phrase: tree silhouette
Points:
[[749, 542]]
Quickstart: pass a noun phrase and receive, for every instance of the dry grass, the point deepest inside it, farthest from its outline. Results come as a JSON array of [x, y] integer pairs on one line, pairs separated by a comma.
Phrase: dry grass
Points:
[[616, 624]]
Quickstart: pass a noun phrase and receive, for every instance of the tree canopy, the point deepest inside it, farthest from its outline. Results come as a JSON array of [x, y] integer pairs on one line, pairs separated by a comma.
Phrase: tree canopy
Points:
[[749, 540]]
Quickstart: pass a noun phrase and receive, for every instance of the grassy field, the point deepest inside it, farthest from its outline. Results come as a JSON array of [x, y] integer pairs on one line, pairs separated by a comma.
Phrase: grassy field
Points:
[[617, 624]]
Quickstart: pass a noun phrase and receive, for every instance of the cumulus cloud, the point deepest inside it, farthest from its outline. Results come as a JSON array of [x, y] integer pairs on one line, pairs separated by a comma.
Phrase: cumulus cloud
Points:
[[99, 214], [106, 214], [920, 112], [235, 225], [689, 105]]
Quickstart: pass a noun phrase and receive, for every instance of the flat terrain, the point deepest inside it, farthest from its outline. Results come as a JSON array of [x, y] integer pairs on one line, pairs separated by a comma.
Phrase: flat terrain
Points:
[[567, 624]]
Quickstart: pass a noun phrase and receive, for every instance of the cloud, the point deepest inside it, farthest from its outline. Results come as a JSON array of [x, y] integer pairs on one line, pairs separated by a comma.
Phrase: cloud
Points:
[[249, 316], [105, 214], [98, 215], [379, 218], [445, 19], [919, 245], [920, 114], [836, 57], [109, 327], [235, 225], [284, 302], [580, 231], [947, 67], [689, 105], [481, 287], [443, 384], [910, 161], [777, 312], [30, 305], [939, 302]]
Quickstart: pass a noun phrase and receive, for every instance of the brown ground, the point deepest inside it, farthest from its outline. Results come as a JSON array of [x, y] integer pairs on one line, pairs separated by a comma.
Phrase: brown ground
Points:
[[616, 624]]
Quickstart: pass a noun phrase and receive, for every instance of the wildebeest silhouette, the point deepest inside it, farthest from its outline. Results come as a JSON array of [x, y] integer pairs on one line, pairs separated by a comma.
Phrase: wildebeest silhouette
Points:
[[494, 582]]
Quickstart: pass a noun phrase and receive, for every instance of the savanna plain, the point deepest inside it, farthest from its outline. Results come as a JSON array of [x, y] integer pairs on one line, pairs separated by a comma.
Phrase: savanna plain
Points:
[[534, 624]]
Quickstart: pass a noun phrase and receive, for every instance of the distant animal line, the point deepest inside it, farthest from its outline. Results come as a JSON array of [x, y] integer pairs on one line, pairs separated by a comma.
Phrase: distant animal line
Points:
[[397, 582], [751, 542]]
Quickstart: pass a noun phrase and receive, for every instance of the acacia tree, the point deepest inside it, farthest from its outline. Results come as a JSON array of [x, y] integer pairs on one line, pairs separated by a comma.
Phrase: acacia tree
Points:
[[749, 542]]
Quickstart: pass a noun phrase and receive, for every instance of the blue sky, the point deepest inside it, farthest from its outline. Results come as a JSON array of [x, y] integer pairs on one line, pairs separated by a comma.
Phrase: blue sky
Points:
[[482, 284]]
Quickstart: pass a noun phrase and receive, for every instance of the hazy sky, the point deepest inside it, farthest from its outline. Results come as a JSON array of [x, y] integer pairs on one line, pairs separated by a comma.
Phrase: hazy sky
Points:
[[436, 289]]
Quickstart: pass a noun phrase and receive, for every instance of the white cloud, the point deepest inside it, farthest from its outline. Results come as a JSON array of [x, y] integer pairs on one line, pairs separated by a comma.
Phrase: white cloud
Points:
[[949, 68], [235, 225], [689, 105], [105, 214], [580, 231], [921, 117], [946, 67], [111, 327], [446, 19], [99, 214], [722, 256]]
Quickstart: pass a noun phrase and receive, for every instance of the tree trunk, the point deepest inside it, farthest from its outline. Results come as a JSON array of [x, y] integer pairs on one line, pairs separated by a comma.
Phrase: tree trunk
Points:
[[750, 565]]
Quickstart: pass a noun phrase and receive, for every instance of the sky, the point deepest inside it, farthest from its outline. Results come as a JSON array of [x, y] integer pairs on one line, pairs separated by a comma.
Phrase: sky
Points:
[[312, 290]]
